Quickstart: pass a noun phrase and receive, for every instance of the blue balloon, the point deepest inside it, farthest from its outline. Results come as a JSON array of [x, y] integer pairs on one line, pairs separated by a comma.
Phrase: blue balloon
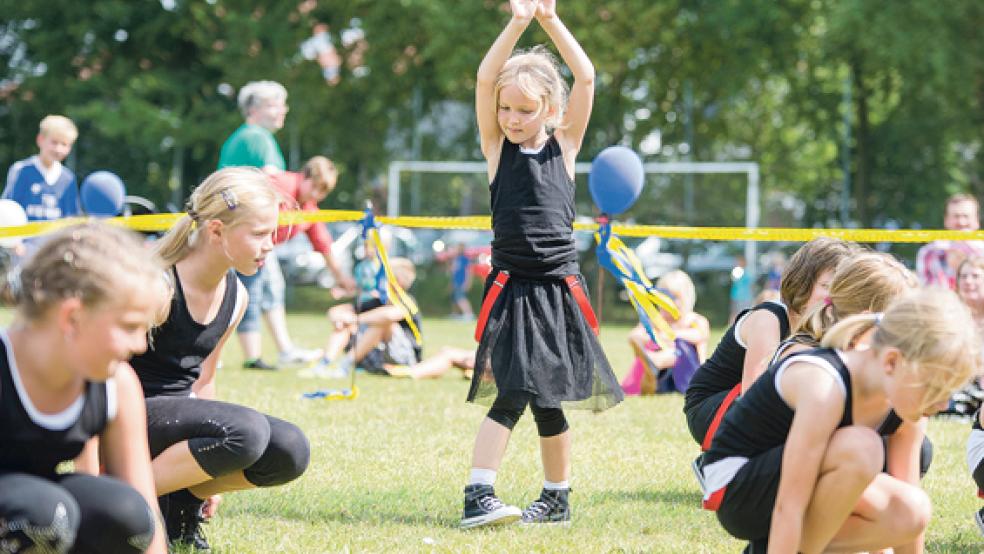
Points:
[[616, 179], [102, 194]]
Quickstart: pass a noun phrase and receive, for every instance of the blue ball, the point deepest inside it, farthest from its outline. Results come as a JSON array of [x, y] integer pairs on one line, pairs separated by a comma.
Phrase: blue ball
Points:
[[616, 179], [102, 194]]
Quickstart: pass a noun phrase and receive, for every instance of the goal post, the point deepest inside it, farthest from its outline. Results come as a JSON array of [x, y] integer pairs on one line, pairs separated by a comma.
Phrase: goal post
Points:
[[749, 169]]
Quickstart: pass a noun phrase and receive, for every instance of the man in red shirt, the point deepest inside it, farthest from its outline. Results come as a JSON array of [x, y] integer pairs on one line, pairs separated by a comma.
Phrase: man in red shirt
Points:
[[308, 187]]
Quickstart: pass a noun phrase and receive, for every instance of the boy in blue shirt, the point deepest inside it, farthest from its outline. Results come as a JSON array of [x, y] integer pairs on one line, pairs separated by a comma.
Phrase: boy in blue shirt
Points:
[[41, 184]]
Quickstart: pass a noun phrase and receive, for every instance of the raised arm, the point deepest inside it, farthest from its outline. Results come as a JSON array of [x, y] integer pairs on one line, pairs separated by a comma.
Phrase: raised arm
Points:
[[575, 122], [495, 58]]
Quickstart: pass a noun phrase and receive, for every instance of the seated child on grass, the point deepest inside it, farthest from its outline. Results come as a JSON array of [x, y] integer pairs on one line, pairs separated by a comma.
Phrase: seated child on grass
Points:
[[377, 336], [655, 370]]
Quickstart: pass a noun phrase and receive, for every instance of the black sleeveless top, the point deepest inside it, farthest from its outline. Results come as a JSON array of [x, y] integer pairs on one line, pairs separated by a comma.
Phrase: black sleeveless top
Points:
[[892, 421], [533, 213], [176, 349], [722, 371], [35, 443], [761, 419]]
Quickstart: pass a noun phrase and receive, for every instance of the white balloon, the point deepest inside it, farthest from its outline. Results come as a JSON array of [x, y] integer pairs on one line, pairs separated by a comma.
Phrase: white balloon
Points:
[[11, 215]]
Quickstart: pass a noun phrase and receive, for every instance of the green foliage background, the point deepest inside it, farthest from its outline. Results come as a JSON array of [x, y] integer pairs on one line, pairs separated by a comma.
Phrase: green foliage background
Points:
[[151, 85]]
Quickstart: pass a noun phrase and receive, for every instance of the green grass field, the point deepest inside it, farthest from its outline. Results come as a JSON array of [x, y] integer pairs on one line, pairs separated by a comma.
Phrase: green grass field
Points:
[[387, 470]]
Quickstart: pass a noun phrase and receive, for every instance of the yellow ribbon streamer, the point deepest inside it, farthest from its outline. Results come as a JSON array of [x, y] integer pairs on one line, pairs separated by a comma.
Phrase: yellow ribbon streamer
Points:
[[394, 290]]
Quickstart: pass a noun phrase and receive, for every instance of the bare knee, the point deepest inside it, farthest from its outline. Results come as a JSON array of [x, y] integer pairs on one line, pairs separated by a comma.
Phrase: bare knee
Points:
[[855, 452], [911, 511]]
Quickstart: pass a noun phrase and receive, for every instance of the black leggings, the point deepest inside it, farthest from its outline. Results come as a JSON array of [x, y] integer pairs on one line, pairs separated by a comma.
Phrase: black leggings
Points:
[[225, 438], [72, 512], [508, 408]]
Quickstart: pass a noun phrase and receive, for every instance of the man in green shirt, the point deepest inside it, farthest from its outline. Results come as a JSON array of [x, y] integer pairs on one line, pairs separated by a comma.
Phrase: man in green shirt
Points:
[[264, 105]]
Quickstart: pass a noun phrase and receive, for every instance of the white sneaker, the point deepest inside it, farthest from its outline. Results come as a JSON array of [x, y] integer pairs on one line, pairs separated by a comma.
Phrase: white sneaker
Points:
[[299, 356]]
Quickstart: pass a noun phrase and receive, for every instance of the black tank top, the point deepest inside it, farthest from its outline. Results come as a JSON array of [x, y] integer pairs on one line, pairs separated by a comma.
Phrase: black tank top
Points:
[[176, 349], [722, 371], [35, 443], [761, 419], [892, 421], [533, 213]]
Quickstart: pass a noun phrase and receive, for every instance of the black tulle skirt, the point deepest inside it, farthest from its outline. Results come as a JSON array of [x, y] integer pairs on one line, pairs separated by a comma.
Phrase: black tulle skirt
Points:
[[537, 343]]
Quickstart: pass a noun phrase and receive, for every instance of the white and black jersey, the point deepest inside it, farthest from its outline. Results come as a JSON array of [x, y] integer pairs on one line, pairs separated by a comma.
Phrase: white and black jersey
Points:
[[35, 442]]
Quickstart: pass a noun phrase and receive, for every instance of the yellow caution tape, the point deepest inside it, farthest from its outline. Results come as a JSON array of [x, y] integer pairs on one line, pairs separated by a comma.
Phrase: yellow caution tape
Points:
[[162, 222]]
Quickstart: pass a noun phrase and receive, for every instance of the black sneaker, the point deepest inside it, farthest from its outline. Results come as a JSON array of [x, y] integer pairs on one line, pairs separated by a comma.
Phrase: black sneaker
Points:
[[483, 507], [183, 525], [979, 519], [551, 507], [258, 364], [697, 467]]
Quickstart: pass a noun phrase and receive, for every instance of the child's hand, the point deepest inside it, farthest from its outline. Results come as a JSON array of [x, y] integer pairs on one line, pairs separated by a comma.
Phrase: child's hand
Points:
[[524, 9], [546, 9]]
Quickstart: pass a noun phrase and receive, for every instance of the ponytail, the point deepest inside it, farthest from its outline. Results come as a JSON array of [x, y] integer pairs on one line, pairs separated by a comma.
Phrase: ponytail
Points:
[[845, 333], [176, 244]]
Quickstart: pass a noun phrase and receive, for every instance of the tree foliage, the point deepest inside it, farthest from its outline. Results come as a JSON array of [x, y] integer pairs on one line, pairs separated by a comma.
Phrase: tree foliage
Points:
[[152, 87]]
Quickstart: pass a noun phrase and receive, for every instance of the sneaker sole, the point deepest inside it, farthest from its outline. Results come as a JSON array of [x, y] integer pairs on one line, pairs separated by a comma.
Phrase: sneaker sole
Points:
[[565, 523], [502, 516]]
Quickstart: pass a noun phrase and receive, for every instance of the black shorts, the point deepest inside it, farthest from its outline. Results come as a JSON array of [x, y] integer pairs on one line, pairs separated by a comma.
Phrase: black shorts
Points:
[[746, 510], [701, 414]]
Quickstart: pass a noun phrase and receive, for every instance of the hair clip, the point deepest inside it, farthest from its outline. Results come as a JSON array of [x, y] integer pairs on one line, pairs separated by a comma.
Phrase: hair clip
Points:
[[878, 318], [230, 199]]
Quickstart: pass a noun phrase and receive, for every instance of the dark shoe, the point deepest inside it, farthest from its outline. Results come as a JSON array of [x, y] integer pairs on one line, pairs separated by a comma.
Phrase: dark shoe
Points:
[[979, 518], [482, 507], [258, 364], [183, 525], [552, 507]]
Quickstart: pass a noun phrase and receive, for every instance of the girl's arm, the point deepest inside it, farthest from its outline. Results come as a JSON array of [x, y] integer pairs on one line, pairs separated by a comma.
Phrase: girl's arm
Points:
[[902, 458], [204, 387], [486, 109], [697, 331], [818, 403], [575, 122], [123, 447], [760, 333]]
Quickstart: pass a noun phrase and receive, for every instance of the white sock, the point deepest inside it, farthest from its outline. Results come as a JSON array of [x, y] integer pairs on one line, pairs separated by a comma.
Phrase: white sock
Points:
[[479, 476], [551, 486]]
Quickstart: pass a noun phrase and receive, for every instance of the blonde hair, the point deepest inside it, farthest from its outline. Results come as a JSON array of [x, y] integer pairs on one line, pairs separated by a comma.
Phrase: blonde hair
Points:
[[91, 262], [812, 259], [933, 330], [535, 72], [976, 261], [866, 282], [58, 126], [682, 287], [404, 270], [230, 195], [322, 173]]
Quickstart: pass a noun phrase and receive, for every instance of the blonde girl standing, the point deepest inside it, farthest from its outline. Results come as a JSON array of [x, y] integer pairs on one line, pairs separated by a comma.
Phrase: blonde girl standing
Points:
[[537, 334]]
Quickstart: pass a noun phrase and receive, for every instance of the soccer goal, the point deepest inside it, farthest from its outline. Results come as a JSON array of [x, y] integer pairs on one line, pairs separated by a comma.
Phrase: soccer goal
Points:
[[749, 169]]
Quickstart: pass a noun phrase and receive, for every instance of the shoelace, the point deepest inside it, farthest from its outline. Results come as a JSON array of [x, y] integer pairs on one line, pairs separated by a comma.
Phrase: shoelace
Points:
[[538, 509], [490, 503]]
